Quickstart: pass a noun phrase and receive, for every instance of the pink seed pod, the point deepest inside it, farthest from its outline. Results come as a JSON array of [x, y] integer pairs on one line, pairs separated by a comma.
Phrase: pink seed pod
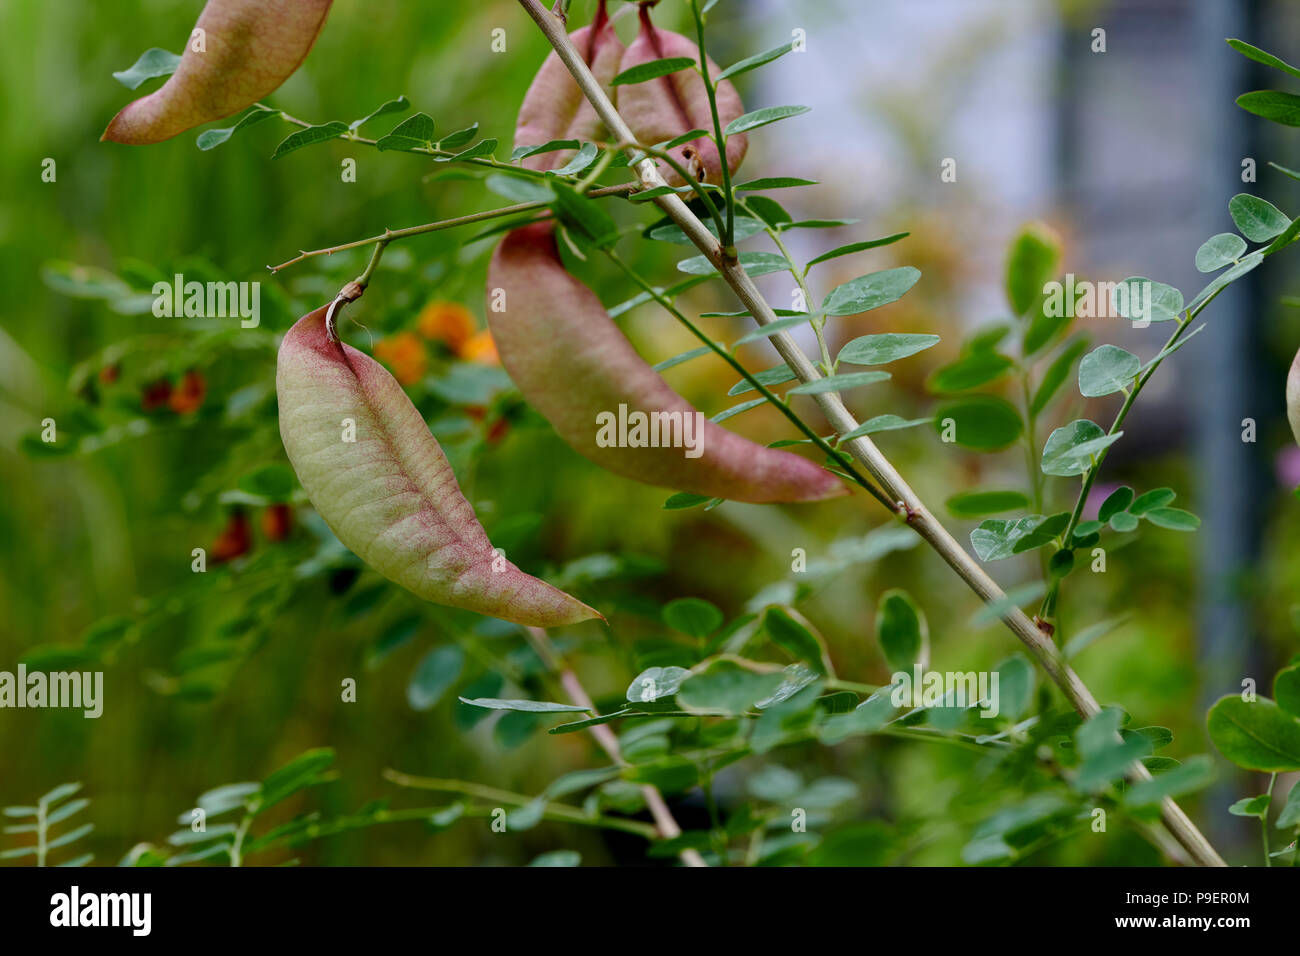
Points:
[[377, 476], [662, 109], [249, 47], [576, 367], [1293, 397], [554, 108]]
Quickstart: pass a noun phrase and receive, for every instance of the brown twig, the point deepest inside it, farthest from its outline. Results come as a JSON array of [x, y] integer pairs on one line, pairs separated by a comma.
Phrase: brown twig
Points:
[[654, 800]]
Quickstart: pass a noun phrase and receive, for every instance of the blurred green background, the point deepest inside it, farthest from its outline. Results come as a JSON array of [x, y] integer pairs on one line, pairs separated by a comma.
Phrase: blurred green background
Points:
[[227, 675]]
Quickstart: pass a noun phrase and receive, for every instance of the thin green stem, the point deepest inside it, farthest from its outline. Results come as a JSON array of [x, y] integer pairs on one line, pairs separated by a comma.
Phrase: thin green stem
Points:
[[363, 280], [717, 836], [237, 845], [390, 235], [719, 138], [938, 736], [691, 181], [763, 390], [597, 170], [800, 274], [487, 162], [834, 683], [41, 835], [552, 811], [1263, 820], [1031, 442], [1047, 610]]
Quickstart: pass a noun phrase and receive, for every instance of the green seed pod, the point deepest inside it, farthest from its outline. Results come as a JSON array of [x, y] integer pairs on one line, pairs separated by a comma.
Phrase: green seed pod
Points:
[[249, 47], [662, 109], [377, 476], [576, 367], [554, 108]]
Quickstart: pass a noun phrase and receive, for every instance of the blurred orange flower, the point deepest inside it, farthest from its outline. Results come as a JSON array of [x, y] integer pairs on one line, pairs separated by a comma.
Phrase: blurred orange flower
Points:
[[405, 355], [235, 539], [480, 348], [447, 322], [189, 395], [277, 521]]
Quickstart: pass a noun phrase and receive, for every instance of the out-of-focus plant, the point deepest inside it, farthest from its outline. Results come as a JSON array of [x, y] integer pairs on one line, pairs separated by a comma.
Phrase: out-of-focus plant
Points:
[[51, 809]]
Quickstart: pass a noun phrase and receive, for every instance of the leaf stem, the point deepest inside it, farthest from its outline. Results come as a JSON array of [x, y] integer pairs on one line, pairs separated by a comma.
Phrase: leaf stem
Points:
[[390, 235], [488, 162], [553, 811], [719, 138], [41, 832], [237, 845], [1047, 610], [665, 824], [818, 321], [1263, 820], [763, 390], [690, 180]]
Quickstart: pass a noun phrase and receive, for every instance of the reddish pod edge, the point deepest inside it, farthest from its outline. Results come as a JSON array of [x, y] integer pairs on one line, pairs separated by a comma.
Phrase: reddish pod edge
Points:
[[554, 108], [238, 52], [1293, 397], [375, 473], [662, 109], [574, 365]]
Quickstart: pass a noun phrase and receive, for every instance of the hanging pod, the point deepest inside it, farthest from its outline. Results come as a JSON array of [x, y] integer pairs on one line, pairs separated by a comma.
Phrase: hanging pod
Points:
[[662, 109], [1293, 397], [555, 109], [576, 367], [246, 49], [377, 476]]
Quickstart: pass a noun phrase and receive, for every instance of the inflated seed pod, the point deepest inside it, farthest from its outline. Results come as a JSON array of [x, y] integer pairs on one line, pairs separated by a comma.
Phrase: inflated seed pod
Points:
[[1293, 397], [662, 109], [248, 48], [377, 476], [554, 108], [576, 367]]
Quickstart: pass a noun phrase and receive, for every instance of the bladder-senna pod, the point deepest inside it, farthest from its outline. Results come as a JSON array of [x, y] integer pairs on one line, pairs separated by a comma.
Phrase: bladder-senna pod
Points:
[[554, 108], [1293, 396], [377, 476], [245, 50], [576, 367], [664, 108]]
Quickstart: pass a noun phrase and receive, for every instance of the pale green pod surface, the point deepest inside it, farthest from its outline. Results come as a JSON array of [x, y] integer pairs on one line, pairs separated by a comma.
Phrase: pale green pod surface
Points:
[[1293, 397], [377, 476], [554, 108], [662, 109], [576, 367], [250, 47]]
